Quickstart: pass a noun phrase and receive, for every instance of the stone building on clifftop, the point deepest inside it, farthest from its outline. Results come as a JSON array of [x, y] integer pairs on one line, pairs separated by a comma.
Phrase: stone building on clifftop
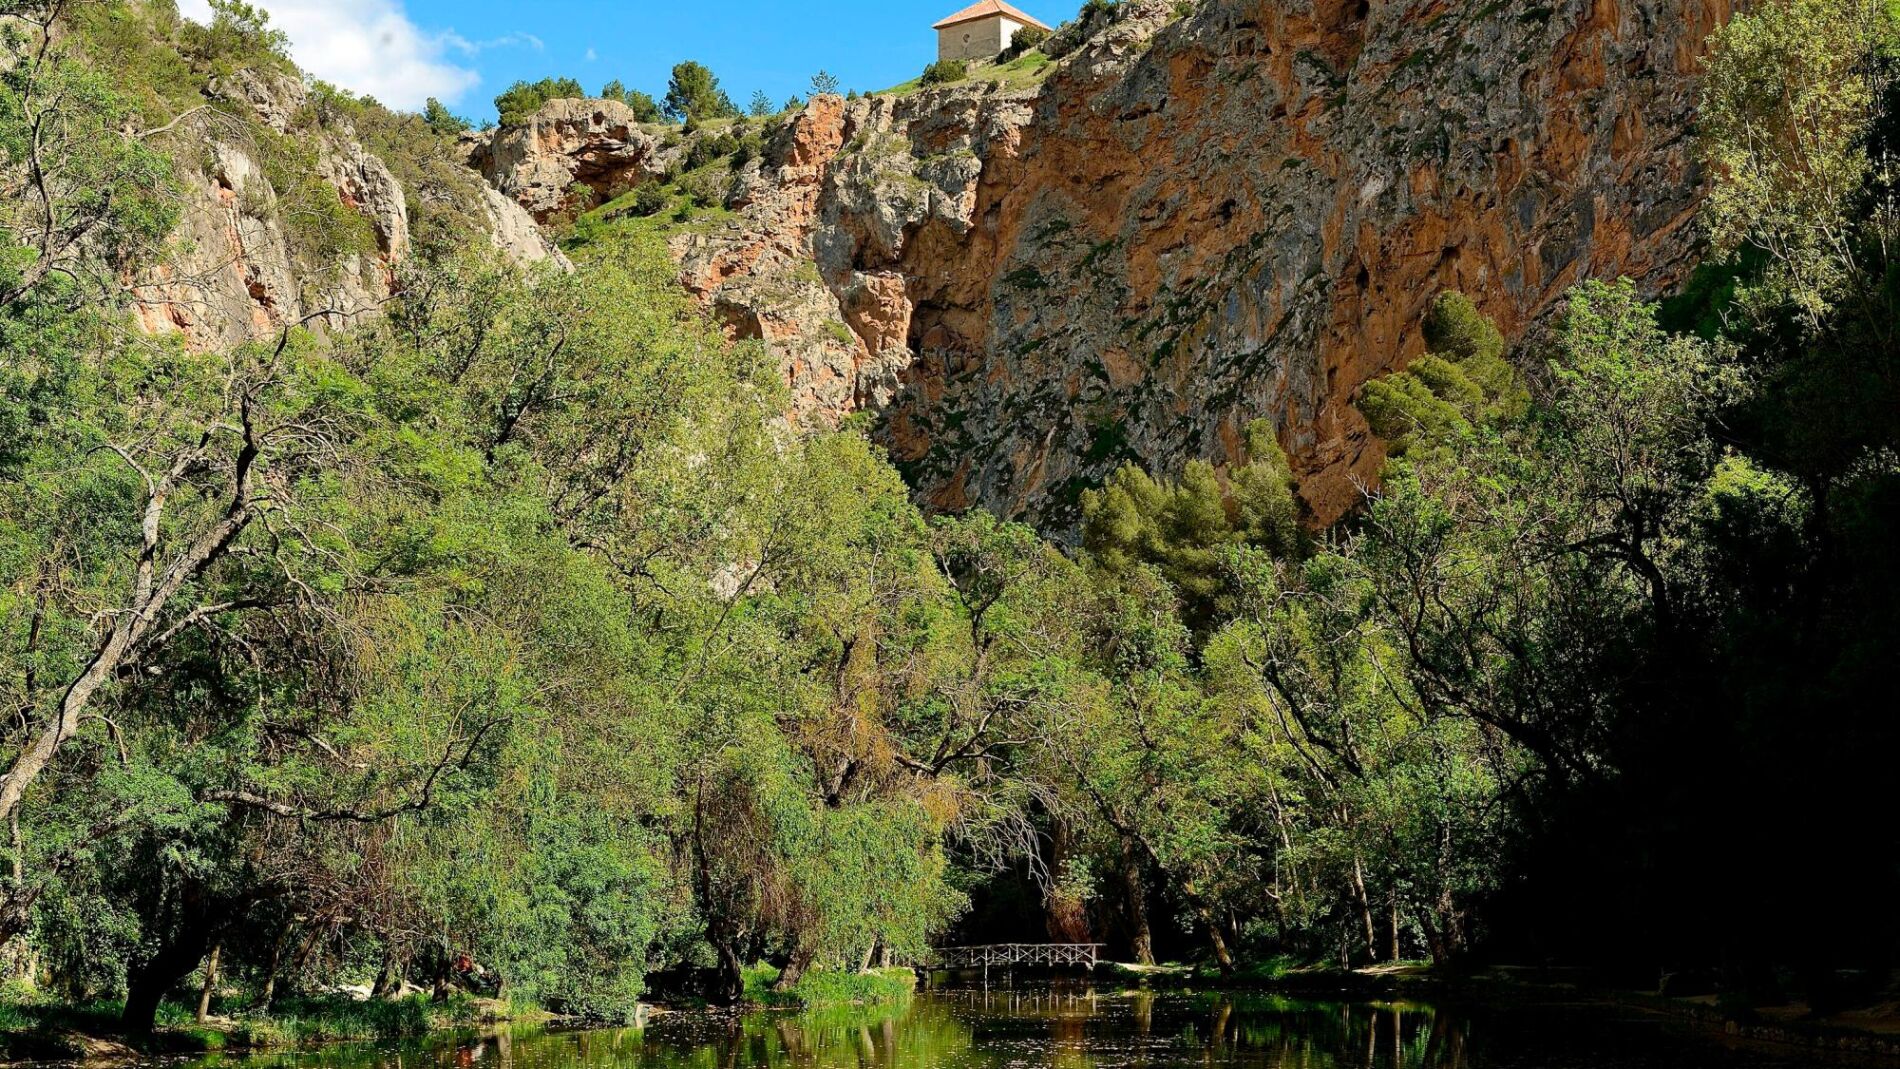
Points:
[[981, 30]]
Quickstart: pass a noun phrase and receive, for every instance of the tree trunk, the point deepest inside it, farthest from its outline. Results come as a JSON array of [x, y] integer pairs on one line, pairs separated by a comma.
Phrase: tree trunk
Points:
[[1205, 912], [301, 963], [147, 985], [153, 589], [1364, 902], [1451, 925], [1215, 941], [388, 977], [271, 968], [1135, 897], [211, 982], [1434, 939], [1392, 917], [439, 989], [794, 970], [728, 985]]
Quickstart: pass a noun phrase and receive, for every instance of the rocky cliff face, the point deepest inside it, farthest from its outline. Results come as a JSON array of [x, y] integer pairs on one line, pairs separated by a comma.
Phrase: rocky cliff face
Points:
[[235, 270], [1194, 221], [595, 144]]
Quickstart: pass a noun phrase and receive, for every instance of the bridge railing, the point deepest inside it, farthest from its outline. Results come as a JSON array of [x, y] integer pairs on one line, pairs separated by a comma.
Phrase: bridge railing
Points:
[[1051, 955]]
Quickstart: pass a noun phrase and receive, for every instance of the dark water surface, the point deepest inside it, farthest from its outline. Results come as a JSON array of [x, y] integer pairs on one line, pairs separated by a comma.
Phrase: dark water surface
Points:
[[1088, 1029]]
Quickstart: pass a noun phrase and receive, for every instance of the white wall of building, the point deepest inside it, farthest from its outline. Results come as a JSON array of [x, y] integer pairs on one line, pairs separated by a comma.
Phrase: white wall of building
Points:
[[977, 39]]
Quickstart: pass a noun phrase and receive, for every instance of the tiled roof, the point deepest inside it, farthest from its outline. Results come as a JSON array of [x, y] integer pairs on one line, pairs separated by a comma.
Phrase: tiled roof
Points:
[[984, 9]]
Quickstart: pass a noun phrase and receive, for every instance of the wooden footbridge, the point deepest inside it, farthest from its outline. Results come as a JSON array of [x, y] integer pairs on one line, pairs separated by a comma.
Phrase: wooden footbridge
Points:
[[1017, 955]]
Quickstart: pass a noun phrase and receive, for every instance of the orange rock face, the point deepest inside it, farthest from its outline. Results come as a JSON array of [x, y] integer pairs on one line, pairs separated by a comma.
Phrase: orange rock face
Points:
[[1197, 222]]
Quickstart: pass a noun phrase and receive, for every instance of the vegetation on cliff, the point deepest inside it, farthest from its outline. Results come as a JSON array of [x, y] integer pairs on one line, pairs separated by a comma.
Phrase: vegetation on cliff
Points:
[[513, 643]]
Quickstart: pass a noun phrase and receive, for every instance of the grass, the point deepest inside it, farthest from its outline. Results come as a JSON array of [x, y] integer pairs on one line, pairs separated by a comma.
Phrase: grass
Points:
[[1019, 73], [318, 1020], [681, 213], [1025, 70], [828, 987], [1266, 969], [31, 1030]]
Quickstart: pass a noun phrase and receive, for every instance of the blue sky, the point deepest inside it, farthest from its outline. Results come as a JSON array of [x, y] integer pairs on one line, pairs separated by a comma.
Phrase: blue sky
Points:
[[466, 51]]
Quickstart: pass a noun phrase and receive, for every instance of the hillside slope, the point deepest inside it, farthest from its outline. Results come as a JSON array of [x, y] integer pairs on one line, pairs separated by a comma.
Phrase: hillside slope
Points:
[[296, 202]]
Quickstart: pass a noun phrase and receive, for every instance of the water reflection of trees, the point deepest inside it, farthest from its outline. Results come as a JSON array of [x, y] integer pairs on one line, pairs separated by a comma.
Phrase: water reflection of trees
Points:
[[922, 1034], [1000, 1029], [1388, 1035]]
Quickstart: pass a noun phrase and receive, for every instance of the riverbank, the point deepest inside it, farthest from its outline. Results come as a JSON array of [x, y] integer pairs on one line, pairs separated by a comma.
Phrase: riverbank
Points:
[[40, 1032], [824, 987], [1872, 1029]]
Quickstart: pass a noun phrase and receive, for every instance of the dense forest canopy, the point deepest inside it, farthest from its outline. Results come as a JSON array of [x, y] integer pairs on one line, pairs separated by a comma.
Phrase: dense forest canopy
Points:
[[515, 626]]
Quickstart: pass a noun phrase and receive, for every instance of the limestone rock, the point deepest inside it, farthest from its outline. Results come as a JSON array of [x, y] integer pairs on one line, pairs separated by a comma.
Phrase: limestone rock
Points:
[[1195, 222], [229, 278], [275, 97], [595, 143], [231, 273], [365, 184], [515, 232]]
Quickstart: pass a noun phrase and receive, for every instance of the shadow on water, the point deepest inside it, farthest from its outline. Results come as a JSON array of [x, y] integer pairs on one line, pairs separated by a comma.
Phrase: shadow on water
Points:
[[1080, 1028]]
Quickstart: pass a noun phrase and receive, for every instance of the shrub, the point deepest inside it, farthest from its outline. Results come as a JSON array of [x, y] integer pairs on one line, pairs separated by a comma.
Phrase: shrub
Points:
[[582, 196], [331, 1017], [1025, 39], [945, 71], [822, 987], [707, 188], [644, 108], [828, 987], [710, 147], [751, 147], [239, 35], [649, 199], [523, 99]]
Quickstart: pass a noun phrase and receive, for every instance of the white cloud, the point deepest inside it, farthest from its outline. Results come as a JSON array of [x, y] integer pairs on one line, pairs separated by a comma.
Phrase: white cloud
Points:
[[473, 48], [370, 47], [592, 55]]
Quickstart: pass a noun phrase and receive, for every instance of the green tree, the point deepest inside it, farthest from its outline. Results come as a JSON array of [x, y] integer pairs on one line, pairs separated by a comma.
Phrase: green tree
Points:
[[693, 95], [1784, 120], [1462, 383], [521, 100], [643, 105], [443, 121], [945, 71], [1185, 527], [95, 190]]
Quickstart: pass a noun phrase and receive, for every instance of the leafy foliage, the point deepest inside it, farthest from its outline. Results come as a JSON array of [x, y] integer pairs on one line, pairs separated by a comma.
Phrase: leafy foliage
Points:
[[945, 71], [693, 95], [643, 105], [521, 100]]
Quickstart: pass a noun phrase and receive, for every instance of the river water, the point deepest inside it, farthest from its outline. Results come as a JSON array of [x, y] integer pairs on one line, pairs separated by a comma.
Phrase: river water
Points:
[[1085, 1029]]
